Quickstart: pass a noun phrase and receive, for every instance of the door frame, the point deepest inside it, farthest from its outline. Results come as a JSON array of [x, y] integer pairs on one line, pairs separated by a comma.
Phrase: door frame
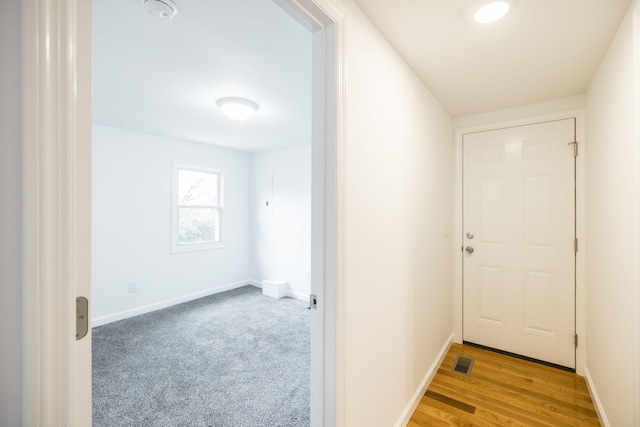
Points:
[[636, 90], [56, 111], [580, 301]]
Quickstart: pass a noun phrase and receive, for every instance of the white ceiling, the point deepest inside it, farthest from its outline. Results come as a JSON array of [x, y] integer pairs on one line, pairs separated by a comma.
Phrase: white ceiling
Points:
[[542, 50], [164, 78]]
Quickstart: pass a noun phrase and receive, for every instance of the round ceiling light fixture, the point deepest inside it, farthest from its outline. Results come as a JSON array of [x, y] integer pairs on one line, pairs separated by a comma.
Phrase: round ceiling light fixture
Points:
[[164, 10], [491, 12], [237, 108]]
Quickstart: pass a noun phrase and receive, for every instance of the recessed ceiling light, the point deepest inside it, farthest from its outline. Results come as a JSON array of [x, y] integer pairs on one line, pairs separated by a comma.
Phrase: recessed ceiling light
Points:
[[491, 12], [237, 108]]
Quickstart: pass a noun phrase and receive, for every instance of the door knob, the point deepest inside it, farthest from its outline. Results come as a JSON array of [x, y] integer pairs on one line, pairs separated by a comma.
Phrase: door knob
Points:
[[470, 235], [469, 250]]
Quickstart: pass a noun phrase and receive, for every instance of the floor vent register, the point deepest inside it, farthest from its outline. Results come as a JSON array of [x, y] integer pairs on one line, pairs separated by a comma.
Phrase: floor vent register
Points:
[[463, 365]]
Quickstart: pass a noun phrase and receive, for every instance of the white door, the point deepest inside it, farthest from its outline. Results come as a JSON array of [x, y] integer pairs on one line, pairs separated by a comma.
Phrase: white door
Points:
[[518, 242]]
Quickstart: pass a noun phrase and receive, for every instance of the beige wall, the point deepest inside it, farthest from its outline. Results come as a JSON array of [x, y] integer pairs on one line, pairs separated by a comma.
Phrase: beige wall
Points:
[[613, 230], [399, 194]]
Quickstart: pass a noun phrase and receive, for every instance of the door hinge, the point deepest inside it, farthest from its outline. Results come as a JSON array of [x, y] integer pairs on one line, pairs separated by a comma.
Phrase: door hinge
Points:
[[575, 245], [313, 301], [575, 148], [82, 317], [575, 340]]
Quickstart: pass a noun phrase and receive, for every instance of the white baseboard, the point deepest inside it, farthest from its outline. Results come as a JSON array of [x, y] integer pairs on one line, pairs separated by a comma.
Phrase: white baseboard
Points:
[[424, 385], [290, 293], [256, 283], [99, 321], [298, 296], [602, 416]]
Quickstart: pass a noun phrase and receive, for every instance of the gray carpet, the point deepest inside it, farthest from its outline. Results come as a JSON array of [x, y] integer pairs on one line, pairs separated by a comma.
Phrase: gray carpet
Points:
[[235, 359]]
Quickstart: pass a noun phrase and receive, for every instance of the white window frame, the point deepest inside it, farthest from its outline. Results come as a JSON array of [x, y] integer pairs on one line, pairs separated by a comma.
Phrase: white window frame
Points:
[[177, 247]]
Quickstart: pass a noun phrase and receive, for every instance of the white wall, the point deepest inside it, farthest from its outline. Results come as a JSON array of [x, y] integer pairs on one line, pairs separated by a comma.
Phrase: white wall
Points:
[[398, 285], [10, 216], [131, 230], [613, 230], [282, 249]]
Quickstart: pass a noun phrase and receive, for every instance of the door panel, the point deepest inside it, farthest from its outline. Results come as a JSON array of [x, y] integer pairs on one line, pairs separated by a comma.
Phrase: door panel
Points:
[[519, 280]]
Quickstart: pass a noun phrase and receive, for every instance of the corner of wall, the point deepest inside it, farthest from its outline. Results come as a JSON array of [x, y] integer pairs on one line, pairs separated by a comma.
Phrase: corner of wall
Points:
[[406, 415], [602, 416]]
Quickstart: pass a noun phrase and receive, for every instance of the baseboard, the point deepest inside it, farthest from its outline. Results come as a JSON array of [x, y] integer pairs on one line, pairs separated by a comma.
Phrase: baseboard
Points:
[[424, 385], [290, 293], [602, 416], [99, 321], [298, 296], [256, 283]]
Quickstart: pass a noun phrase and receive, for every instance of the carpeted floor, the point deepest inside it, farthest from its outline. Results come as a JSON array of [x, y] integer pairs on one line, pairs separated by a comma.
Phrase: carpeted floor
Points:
[[235, 359]]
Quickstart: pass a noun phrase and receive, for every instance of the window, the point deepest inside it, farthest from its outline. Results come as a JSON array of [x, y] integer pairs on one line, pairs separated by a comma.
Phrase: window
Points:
[[197, 209]]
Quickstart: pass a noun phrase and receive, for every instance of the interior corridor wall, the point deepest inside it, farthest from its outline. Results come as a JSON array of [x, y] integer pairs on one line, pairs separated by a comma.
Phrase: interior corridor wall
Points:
[[281, 241], [10, 215], [613, 230], [398, 261], [132, 213]]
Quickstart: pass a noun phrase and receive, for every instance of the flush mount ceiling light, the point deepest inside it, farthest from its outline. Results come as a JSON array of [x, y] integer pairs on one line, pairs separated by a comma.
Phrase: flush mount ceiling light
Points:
[[164, 10], [237, 108], [491, 12]]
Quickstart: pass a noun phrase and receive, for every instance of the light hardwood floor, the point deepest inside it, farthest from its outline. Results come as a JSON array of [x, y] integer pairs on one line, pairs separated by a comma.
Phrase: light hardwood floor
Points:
[[503, 391]]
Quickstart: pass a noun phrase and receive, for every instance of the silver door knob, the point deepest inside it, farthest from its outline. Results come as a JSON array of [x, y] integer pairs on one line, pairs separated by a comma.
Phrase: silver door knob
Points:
[[469, 249], [470, 235]]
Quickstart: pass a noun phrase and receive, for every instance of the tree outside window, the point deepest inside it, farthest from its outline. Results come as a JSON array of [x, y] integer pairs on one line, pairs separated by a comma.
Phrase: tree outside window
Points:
[[197, 209]]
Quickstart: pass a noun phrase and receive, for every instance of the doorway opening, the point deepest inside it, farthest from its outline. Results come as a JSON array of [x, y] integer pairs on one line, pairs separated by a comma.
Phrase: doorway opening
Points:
[[58, 108], [486, 278], [156, 125]]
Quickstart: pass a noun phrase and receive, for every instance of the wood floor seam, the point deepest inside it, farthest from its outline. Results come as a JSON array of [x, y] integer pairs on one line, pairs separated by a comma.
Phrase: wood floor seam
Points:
[[451, 402], [503, 391]]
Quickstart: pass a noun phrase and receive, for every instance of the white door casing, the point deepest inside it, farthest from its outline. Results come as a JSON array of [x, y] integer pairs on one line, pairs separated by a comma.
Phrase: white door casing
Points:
[[519, 202], [57, 38], [57, 210]]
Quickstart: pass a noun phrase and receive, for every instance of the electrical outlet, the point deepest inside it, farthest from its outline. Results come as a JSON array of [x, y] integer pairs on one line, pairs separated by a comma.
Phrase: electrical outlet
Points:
[[133, 287]]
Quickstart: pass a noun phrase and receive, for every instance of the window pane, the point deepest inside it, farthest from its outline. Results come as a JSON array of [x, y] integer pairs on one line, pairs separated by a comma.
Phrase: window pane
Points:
[[198, 225], [197, 188]]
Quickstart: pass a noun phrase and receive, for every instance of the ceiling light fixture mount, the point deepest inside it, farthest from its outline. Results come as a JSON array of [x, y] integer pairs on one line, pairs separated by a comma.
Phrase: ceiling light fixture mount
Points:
[[164, 10], [238, 109], [491, 12]]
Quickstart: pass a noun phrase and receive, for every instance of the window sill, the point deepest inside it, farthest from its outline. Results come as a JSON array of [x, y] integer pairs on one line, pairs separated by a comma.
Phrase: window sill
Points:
[[196, 247]]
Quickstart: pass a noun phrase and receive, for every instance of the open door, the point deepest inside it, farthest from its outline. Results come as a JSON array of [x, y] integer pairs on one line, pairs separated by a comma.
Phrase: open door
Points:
[[57, 165]]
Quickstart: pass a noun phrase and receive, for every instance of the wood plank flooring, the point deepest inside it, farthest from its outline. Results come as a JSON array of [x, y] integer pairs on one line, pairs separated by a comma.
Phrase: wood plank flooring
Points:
[[503, 391]]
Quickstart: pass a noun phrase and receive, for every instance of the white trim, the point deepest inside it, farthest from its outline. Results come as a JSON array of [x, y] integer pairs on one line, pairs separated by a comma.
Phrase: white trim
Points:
[[256, 283], [579, 115], [57, 159], [424, 385], [176, 247], [298, 295], [99, 321], [328, 182], [291, 294], [602, 416], [636, 73]]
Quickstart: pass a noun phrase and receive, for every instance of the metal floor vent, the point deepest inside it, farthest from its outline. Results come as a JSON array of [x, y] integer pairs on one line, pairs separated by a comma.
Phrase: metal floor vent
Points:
[[463, 365]]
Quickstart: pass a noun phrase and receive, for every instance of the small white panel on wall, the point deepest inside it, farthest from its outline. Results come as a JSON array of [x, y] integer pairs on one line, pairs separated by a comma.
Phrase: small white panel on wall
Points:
[[264, 195]]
